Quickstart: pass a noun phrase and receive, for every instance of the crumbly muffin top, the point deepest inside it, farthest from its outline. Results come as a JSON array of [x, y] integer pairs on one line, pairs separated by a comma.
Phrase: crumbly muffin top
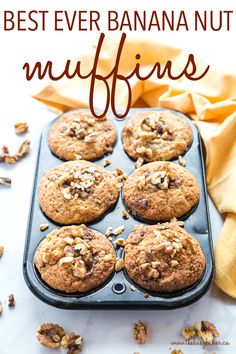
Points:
[[77, 191], [159, 191], [78, 135], [75, 258], [163, 257], [156, 135]]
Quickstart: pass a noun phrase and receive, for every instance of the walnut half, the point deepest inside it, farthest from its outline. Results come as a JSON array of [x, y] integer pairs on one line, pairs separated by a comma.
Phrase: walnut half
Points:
[[50, 335], [140, 331]]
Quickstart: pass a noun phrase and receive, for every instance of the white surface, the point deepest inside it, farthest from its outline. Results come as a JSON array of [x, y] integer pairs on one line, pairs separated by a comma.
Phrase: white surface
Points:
[[105, 332]]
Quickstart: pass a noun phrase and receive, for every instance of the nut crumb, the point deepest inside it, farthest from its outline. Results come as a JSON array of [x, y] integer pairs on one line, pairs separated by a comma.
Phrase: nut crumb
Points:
[[1, 250], [50, 335], [120, 242], [182, 161], [146, 295], [139, 162], [43, 227], [125, 214], [119, 264], [188, 332], [21, 128], [5, 181], [140, 331], [207, 331], [132, 288], [177, 351], [118, 230], [11, 301], [106, 162], [1, 308]]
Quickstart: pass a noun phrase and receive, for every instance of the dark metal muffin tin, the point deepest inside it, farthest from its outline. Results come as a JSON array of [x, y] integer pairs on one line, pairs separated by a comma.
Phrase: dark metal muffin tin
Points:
[[117, 292]]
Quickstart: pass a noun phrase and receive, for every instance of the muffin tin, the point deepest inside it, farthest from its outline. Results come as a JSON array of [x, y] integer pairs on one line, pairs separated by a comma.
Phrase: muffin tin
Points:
[[118, 292]]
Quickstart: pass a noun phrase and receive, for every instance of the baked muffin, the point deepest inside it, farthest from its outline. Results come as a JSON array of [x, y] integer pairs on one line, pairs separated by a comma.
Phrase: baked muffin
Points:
[[75, 258], [78, 135], [163, 258], [160, 191], [77, 192], [156, 135]]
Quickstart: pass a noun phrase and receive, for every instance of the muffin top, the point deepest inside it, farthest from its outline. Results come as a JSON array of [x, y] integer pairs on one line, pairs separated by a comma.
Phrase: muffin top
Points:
[[160, 191], [77, 192], [78, 135], [156, 135], [75, 258], [163, 257]]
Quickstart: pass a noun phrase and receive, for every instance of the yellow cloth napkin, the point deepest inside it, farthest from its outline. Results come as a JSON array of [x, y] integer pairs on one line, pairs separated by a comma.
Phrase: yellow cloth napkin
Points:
[[211, 102]]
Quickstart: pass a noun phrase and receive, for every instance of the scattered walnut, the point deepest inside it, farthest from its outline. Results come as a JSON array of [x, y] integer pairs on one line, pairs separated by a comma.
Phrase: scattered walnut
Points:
[[72, 342], [146, 295], [1, 308], [50, 335], [106, 162], [139, 162], [177, 351], [182, 161], [132, 288], [11, 301], [5, 181], [125, 214], [1, 250], [120, 242], [43, 227], [119, 264], [118, 230], [188, 332], [21, 128], [140, 331], [207, 331], [21, 152]]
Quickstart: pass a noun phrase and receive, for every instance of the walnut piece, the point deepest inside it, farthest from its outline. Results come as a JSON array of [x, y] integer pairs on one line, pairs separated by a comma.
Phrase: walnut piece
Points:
[[119, 264], [21, 128], [106, 162], [120, 242], [50, 335], [139, 162], [43, 227], [177, 351], [5, 181], [140, 331], [188, 332], [125, 214], [182, 161], [11, 301], [1, 250], [21, 152], [207, 331], [72, 342]]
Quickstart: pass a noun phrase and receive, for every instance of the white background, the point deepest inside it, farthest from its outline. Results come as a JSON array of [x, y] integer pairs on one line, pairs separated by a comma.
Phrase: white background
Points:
[[104, 331]]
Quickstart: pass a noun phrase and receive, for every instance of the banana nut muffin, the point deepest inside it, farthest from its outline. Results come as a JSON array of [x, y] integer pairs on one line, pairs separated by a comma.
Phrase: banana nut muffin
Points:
[[78, 135], [156, 135], [160, 191], [163, 257], [75, 258], [77, 192]]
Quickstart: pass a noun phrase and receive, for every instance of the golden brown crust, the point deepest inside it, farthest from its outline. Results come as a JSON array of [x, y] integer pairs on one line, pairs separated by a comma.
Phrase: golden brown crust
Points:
[[163, 257], [78, 135], [160, 191], [156, 135], [76, 192], [75, 258]]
